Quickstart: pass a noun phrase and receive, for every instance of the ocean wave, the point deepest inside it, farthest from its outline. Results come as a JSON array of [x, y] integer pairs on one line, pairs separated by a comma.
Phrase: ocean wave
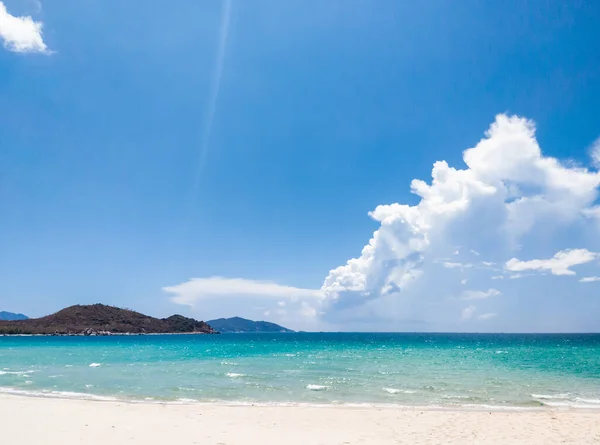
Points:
[[317, 387], [15, 372], [184, 400], [235, 375], [566, 400], [551, 396], [572, 404], [591, 401], [398, 391], [56, 394], [457, 397], [95, 365]]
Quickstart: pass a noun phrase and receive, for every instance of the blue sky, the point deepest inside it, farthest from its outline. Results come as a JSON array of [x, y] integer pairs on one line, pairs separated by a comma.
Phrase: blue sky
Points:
[[222, 158]]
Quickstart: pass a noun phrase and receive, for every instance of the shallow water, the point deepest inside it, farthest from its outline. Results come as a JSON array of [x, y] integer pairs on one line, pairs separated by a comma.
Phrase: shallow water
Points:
[[444, 370]]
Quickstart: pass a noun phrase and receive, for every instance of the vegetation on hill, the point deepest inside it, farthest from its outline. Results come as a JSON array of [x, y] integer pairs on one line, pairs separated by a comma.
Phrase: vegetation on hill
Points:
[[100, 319], [241, 325], [12, 316]]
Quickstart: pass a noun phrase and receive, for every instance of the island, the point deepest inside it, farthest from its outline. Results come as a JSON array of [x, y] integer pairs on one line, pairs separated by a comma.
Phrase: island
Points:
[[100, 319], [12, 316], [242, 325]]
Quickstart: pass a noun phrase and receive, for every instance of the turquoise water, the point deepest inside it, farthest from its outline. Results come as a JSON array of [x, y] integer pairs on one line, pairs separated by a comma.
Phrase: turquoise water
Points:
[[467, 370]]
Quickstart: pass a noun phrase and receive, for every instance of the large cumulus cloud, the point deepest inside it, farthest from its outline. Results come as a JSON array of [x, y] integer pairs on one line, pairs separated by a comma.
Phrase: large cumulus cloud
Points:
[[508, 189]]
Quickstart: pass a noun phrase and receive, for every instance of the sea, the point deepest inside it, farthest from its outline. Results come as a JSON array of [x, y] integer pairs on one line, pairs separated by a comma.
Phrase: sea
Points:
[[465, 371]]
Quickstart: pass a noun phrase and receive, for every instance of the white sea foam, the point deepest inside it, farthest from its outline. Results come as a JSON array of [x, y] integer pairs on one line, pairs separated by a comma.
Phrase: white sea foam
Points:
[[235, 375], [95, 365], [317, 387], [566, 401], [455, 396], [398, 391], [551, 396], [15, 372], [570, 404], [591, 401], [56, 394]]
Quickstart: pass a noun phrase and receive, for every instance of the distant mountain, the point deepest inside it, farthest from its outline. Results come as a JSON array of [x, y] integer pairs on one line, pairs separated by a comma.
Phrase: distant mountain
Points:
[[241, 325], [99, 319], [11, 316]]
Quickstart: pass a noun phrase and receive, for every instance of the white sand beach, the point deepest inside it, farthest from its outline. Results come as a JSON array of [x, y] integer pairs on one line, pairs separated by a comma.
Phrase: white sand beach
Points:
[[30, 420]]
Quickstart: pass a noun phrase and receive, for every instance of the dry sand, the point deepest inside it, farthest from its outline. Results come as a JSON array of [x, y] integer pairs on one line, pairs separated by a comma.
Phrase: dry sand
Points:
[[44, 421]]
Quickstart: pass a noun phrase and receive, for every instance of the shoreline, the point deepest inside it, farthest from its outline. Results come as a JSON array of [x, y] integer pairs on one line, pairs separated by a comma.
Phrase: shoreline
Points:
[[457, 408], [75, 422]]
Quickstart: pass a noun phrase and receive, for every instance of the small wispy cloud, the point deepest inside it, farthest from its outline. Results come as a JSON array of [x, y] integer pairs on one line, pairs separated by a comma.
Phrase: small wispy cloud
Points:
[[595, 153], [467, 313], [589, 279], [21, 34], [455, 265], [479, 294], [486, 316], [559, 264]]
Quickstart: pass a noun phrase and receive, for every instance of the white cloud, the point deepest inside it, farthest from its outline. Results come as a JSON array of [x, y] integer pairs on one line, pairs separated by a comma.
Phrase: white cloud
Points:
[[592, 212], [468, 312], [595, 153], [453, 265], [463, 281], [479, 294], [474, 252], [486, 316], [589, 279], [195, 289], [307, 310], [21, 34], [559, 264], [508, 197], [507, 190]]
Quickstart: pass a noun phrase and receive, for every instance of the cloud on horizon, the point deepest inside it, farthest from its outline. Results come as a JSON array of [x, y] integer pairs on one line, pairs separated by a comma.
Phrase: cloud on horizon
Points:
[[195, 289], [21, 34], [510, 198]]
